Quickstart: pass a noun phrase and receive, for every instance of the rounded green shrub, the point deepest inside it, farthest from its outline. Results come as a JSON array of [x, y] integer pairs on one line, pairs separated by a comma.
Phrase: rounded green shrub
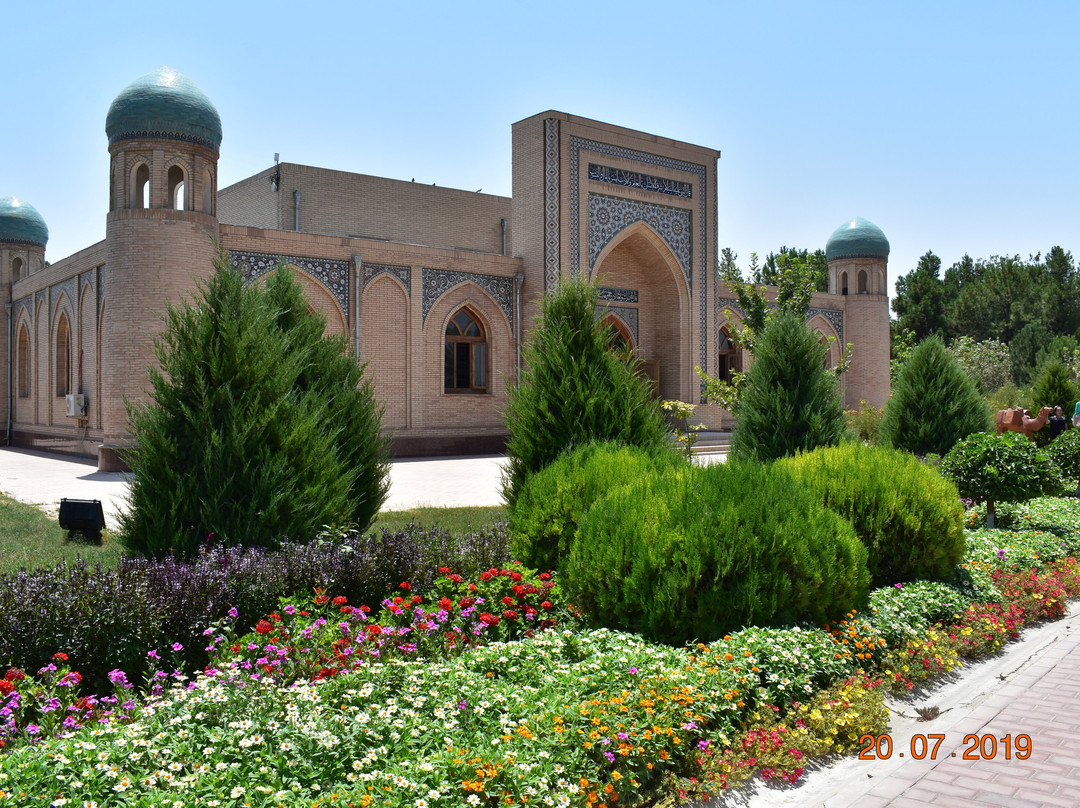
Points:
[[905, 513], [545, 516], [1006, 467], [1064, 454], [698, 552]]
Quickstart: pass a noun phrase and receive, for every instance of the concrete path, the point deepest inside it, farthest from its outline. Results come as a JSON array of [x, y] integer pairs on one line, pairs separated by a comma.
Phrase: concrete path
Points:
[[43, 479]]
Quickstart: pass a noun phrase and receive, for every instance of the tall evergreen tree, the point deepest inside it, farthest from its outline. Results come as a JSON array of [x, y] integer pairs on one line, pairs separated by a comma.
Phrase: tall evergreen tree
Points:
[[574, 389], [245, 439], [920, 298], [790, 401], [934, 403]]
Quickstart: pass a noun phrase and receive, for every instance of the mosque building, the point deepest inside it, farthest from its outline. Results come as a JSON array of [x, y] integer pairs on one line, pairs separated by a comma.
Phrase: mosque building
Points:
[[437, 287]]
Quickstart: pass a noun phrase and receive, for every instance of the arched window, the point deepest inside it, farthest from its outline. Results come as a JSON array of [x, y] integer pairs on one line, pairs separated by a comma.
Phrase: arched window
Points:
[[63, 357], [208, 192], [24, 363], [465, 355], [843, 283], [176, 188], [619, 338], [862, 282], [823, 341], [730, 361], [140, 186], [17, 269]]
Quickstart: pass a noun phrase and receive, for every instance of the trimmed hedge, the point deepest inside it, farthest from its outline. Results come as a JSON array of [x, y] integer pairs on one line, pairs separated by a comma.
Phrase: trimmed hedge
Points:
[[909, 518], [696, 553], [544, 518]]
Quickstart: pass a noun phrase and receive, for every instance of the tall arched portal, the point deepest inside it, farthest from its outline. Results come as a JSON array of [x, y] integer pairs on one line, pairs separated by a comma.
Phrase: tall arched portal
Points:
[[639, 270]]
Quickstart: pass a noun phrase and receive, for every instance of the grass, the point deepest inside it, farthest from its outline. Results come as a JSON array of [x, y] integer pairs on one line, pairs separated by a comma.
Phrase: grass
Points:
[[31, 539]]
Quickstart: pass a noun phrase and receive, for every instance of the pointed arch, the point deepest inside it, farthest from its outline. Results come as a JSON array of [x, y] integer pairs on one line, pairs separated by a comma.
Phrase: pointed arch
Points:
[[729, 355], [17, 269], [621, 339], [321, 300], [177, 185], [23, 361], [62, 355], [139, 185], [864, 287], [827, 337]]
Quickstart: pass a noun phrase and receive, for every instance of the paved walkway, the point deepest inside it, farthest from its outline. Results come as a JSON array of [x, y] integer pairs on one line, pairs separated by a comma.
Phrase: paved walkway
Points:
[[44, 479], [1032, 689]]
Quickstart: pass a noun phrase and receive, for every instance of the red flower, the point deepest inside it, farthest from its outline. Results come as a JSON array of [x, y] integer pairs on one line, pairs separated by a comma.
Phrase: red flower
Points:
[[275, 617], [262, 627], [444, 570], [5, 687], [545, 576], [456, 579], [510, 614], [365, 609], [347, 610], [472, 587], [465, 603], [508, 601], [446, 604], [484, 576], [515, 576], [398, 601], [60, 655], [405, 585], [416, 599], [489, 619], [340, 600], [15, 675], [545, 605], [374, 630]]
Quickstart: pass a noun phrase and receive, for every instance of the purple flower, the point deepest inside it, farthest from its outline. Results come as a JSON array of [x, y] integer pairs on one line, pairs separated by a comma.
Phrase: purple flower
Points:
[[153, 655], [899, 586], [32, 729], [233, 613], [177, 647], [119, 678], [633, 671], [610, 757], [704, 745]]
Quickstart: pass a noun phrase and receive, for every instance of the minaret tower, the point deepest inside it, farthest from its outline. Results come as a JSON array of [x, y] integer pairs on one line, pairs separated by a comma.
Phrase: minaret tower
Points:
[[23, 235], [164, 136], [858, 256]]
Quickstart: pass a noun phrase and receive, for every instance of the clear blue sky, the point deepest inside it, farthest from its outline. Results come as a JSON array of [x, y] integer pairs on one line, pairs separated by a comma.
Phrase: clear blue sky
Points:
[[951, 125]]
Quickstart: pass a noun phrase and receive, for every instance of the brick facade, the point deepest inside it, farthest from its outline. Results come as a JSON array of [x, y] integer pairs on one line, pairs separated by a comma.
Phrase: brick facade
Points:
[[390, 263]]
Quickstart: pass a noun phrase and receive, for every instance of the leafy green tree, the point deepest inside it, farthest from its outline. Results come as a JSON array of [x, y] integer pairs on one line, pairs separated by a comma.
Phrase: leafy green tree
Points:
[[987, 362], [920, 299], [789, 260], [1064, 349], [933, 404], [999, 467], [1063, 298], [244, 440], [790, 401], [574, 390]]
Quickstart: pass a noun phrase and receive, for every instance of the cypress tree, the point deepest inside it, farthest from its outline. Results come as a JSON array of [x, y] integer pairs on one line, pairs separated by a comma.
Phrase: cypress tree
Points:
[[790, 401], [246, 438], [574, 389], [934, 403]]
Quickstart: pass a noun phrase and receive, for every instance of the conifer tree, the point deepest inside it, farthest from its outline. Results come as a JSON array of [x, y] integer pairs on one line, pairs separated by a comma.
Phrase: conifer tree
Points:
[[251, 433], [574, 389], [934, 403], [1054, 388], [790, 401]]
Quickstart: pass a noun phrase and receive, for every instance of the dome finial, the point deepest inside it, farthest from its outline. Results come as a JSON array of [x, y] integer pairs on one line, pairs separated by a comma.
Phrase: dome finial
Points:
[[857, 238]]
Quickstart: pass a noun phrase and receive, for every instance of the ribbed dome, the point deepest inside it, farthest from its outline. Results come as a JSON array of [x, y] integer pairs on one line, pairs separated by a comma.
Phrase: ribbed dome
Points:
[[20, 223], [167, 105], [857, 238]]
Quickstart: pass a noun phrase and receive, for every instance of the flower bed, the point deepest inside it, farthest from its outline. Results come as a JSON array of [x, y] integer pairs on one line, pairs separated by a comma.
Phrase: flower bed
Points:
[[472, 691]]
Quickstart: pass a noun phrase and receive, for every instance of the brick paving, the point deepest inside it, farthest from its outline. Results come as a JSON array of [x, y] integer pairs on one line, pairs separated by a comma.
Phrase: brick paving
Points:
[[1042, 702]]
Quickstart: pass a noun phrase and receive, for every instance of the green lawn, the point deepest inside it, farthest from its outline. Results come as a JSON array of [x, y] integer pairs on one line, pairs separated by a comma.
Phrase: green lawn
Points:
[[30, 538]]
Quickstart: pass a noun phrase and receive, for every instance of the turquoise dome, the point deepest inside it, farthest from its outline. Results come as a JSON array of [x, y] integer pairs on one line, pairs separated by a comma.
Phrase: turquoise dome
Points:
[[20, 223], [164, 105], [857, 238]]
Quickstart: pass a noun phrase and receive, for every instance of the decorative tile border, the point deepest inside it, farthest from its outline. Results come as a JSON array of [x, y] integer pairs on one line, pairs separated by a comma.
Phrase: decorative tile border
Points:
[[334, 275], [68, 287], [835, 317], [610, 215], [643, 182], [101, 273], [577, 145], [437, 282], [551, 204], [618, 295], [627, 315], [24, 303], [369, 272]]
